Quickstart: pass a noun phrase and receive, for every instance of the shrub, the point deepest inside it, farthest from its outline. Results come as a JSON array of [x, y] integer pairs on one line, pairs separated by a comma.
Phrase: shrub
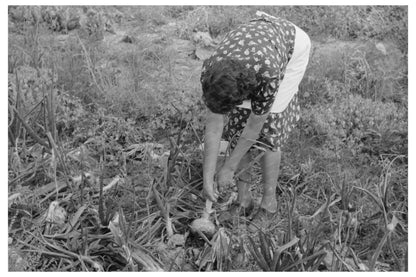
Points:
[[144, 16], [375, 71], [349, 119], [217, 20], [349, 22]]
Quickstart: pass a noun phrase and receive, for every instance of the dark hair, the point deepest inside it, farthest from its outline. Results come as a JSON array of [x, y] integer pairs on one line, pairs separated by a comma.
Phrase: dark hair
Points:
[[226, 83]]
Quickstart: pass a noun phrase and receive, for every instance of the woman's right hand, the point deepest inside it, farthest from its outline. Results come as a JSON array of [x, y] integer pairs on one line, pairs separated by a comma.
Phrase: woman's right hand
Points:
[[211, 191]]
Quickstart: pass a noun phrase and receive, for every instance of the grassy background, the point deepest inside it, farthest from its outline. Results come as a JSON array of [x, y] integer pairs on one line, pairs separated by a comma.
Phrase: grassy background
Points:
[[112, 84]]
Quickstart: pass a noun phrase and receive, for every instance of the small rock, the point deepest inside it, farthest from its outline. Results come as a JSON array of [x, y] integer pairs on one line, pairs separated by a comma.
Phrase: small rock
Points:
[[56, 214], [380, 46], [128, 39], [177, 240], [73, 23], [203, 39], [363, 267], [203, 225]]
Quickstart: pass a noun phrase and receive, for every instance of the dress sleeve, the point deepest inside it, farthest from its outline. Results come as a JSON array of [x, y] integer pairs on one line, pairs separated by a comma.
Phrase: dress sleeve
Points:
[[262, 100]]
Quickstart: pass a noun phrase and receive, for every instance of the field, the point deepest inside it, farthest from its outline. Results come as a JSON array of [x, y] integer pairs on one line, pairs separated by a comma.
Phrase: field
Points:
[[105, 123]]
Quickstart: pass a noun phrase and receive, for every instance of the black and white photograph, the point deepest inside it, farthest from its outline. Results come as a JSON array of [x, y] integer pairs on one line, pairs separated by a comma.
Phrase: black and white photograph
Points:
[[207, 137]]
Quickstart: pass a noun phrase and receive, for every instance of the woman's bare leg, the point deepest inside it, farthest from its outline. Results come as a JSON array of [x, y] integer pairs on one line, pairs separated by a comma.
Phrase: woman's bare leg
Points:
[[271, 169], [244, 182]]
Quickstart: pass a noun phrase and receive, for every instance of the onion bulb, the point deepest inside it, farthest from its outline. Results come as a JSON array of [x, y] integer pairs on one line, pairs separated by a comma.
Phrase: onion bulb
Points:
[[203, 224]]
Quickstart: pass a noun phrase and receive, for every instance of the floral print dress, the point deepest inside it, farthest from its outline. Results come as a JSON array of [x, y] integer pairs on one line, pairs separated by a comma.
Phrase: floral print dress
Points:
[[266, 45]]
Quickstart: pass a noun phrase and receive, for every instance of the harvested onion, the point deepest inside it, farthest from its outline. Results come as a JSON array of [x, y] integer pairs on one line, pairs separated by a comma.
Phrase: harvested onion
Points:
[[203, 224]]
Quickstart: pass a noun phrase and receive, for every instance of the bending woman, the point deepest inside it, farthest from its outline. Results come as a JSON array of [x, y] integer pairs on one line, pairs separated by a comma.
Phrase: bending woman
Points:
[[250, 86]]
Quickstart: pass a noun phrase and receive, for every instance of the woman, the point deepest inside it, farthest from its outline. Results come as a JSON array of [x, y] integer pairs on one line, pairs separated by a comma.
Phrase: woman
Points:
[[252, 80]]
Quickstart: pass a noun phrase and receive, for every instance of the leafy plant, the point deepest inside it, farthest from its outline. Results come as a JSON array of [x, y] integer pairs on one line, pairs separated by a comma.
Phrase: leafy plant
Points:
[[271, 257], [347, 121], [389, 214]]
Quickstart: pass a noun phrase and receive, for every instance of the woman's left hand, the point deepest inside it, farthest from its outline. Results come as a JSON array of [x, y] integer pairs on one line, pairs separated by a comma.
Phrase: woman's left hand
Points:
[[225, 179]]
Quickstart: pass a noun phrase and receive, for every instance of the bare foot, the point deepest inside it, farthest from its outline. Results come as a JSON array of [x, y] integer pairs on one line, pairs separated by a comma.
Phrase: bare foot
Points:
[[269, 203], [262, 220]]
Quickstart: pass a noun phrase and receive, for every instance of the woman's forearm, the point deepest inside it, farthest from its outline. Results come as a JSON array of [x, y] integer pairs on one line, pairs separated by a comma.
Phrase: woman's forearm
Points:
[[213, 131], [248, 137]]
